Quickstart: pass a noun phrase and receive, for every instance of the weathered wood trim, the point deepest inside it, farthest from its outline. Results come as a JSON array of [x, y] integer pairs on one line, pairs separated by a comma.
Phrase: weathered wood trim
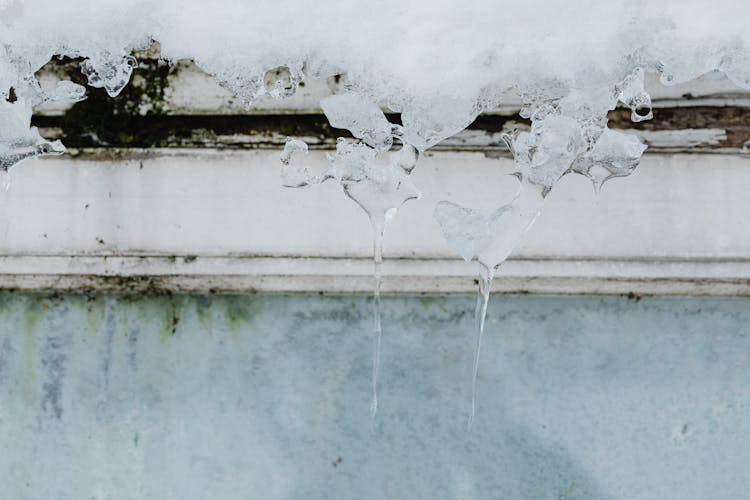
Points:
[[180, 106], [701, 129]]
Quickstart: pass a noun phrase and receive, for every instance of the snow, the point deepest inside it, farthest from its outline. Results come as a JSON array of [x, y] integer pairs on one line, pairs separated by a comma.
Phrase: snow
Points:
[[439, 63]]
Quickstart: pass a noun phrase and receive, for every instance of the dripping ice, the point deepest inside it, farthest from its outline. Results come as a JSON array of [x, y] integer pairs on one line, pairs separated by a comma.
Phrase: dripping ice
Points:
[[375, 178], [566, 136]]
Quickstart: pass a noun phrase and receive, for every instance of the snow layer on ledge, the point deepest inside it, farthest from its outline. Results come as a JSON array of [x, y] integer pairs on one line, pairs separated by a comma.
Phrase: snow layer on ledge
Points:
[[435, 60]]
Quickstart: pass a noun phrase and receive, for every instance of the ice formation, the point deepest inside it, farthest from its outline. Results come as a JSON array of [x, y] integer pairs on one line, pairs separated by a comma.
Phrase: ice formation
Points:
[[565, 136], [437, 63], [377, 179]]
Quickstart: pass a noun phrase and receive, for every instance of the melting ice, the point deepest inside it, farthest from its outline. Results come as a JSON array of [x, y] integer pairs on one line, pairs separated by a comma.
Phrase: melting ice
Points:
[[375, 178], [566, 136]]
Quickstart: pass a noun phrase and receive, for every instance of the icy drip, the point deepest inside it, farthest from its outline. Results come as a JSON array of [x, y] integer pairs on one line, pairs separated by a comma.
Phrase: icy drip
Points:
[[490, 237], [380, 193], [378, 234], [480, 316], [372, 175], [564, 137]]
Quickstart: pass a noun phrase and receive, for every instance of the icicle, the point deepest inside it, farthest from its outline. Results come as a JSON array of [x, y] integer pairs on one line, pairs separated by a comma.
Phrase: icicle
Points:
[[377, 238], [480, 315], [377, 179], [542, 156], [490, 237], [380, 189]]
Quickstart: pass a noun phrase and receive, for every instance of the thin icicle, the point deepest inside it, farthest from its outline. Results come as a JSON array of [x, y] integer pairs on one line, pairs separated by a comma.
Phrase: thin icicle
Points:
[[378, 232], [480, 315]]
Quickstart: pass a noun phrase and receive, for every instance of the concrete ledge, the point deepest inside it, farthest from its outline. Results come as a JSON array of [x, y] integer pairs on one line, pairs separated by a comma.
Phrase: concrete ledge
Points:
[[334, 275], [198, 220]]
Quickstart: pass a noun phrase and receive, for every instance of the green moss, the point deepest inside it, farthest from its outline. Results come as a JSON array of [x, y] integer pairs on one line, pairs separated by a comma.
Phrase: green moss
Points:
[[126, 138]]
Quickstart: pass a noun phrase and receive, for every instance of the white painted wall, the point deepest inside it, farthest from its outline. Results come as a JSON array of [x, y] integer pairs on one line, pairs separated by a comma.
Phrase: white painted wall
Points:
[[678, 217]]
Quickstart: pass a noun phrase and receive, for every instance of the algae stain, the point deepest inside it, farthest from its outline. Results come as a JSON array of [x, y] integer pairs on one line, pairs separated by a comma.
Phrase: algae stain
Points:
[[94, 313], [32, 316], [429, 302], [7, 304], [175, 322], [240, 312], [171, 310], [204, 314], [33, 311]]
